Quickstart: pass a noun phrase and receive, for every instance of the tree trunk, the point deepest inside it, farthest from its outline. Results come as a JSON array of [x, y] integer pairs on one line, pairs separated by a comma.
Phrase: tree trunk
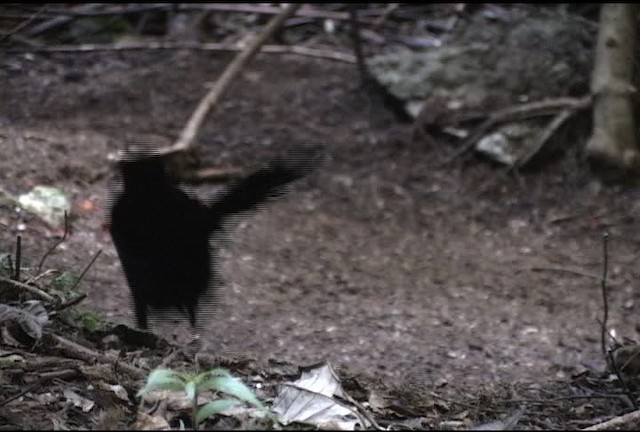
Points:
[[613, 144]]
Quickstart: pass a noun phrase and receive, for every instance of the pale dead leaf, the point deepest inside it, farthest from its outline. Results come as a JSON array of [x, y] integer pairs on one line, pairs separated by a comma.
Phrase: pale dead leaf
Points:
[[81, 402], [47, 202], [116, 389], [310, 400]]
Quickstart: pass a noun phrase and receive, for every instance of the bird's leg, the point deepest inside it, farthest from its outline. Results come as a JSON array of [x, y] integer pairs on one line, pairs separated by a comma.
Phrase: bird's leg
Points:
[[194, 328], [141, 314]]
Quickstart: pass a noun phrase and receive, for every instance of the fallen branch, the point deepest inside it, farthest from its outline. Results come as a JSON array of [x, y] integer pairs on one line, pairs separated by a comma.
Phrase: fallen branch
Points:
[[94, 10], [58, 21], [522, 112], [74, 350], [545, 136], [211, 99], [38, 363], [162, 45], [629, 421], [263, 9], [306, 11], [31, 289]]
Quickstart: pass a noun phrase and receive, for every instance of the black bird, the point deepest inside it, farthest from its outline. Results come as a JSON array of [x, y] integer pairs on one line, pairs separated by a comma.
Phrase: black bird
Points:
[[162, 235]]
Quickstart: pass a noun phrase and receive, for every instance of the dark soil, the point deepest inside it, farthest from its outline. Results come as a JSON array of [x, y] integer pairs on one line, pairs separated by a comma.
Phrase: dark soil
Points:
[[384, 262]]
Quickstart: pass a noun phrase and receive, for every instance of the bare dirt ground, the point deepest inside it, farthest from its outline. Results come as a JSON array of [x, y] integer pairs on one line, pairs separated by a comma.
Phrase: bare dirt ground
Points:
[[383, 262]]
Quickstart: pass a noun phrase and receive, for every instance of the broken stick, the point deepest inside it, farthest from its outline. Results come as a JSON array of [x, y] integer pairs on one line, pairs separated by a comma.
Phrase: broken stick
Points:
[[524, 111], [211, 99]]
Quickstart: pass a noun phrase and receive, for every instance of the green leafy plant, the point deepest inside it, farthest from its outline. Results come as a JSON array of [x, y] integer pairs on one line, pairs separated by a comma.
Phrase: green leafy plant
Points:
[[218, 380], [63, 282], [90, 321]]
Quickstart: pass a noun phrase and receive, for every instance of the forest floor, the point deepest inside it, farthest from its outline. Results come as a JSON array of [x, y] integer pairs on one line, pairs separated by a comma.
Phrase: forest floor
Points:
[[455, 290]]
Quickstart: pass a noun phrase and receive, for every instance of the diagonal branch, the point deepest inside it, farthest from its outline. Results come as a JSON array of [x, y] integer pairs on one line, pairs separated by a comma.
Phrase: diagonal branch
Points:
[[524, 111], [210, 100]]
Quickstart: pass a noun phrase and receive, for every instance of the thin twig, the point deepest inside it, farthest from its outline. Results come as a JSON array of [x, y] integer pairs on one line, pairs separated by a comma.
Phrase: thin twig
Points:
[[86, 11], [23, 24], [31, 387], [623, 382], [306, 11], [69, 304], [41, 275], [603, 285], [58, 21], [10, 264], [354, 28], [262, 9], [391, 7], [309, 52], [64, 237], [564, 270], [545, 136], [363, 411], [611, 335], [632, 358], [168, 359], [540, 401], [168, 45], [466, 405], [75, 284], [16, 275]]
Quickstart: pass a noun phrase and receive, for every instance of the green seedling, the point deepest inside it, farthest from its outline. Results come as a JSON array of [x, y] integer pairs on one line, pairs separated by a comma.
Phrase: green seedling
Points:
[[218, 380], [63, 282]]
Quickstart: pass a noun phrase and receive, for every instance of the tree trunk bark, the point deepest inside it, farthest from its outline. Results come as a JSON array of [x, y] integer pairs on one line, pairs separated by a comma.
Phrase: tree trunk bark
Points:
[[613, 142]]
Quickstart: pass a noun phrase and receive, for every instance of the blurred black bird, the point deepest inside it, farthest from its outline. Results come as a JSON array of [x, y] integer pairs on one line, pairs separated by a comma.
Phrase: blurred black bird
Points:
[[162, 235]]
